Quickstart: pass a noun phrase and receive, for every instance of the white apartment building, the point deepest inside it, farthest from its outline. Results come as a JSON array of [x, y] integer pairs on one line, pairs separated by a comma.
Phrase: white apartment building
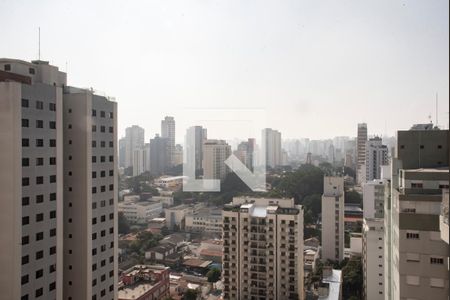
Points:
[[168, 132], [376, 156], [31, 176], [215, 152], [176, 216], [204, 220], [271, 140], [361, 140], [333, 219], [263, 249], [134, 139], [373, 259], [140, 212], [373, 198]]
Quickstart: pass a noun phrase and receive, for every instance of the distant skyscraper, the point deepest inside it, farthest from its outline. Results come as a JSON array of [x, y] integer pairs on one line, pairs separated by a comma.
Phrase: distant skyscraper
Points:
[[122, 151], [272, 142], [215, 152], [308, 158], [198, 135], [31, 179], [134, 137], [361, 151], [168, 132], [262, 249], [333, 219], [373, 198], [376, 156], [245, 153], [159, 160]]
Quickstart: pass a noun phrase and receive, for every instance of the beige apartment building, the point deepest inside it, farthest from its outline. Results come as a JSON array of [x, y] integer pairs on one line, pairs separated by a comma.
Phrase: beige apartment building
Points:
[[333, 219], [263, 249], [59, 186], [215, 152]]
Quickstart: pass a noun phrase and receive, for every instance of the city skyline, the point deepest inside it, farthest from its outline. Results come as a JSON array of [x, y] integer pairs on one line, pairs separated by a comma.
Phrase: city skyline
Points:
[[348, 65]]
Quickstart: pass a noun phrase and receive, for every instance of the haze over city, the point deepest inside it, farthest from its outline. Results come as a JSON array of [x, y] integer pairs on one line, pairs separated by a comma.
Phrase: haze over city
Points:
[[307, 64]]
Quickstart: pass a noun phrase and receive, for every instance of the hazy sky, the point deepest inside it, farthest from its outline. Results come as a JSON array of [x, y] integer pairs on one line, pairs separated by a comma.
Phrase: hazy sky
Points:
[[316, 68]]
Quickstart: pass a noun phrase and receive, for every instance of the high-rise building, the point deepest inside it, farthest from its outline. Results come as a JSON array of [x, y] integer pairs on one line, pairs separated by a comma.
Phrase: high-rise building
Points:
[[416, 257], [361, 141], [373, 198], [122, 151], [90, 195], [168, 132], [215, 152], [138, 161], [271, 140], [59, 185], [159, 160], [373, 258], [31, 177], [262, 249], [376, 156], [333, 219], [134, 139], [245, 153], [195, 136]]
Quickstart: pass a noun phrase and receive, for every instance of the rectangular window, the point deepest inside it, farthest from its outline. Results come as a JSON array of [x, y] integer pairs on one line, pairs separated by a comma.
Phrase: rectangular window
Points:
[[39, 198], [25, 142], [25, 201], [39, 255], [53, 232], [102, 114], [52, 161], [39, 143], [52, 125], [52, 178], [436, 261], [25, 220], [39, 236], [52, 196], [25, 181], [39, 105], [39, 124], [39, 217], [53, 214], [52, 106], [39, 273], [25, 103], [39, 161], [25, 259], [25, 123], [52, 143], [40, 180], [25, 162], [412, 235]]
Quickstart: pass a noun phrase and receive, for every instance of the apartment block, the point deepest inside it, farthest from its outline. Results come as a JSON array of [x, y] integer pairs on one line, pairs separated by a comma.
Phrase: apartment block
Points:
[[373, 198], [31, 176], [271, 140], [205, 220], [140, 211], [262, 249], [361, 141], [373, 258], [168, 132], [134, 139], [215, 152], [333, 219], [376, 156], [90, 195]]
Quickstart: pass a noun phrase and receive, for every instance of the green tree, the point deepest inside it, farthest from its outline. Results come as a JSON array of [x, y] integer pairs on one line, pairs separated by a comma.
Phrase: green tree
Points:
[[352, 278], [213, 275], [124, 226], [352, 197], [190, 295]]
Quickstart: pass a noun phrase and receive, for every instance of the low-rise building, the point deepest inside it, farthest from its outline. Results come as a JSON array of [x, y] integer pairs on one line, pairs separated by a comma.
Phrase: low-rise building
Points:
[[331, 287], [160, 252], [204, 220], [176, 216], [310, 257], [144, 282], [167, 201], [170, 182], [140, 211]]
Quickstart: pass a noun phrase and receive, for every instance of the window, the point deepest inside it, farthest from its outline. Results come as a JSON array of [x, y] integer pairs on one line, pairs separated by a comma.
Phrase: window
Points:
[[102, 159], [52, 286], [7, 67], [102, 144], [25, 162], [94, 236], [94, 144], [39, 105], [31, 71], [39, 236], [25, 220], [25, 240], [40, 180], [25, 123], [25, 259], [39, 273], [412, 257], [413, 280], [52, 143], [94, 267], [52, 250], [111, 129], [25, 181], [94, 190], [111, 144], [103, 218], [111, 187], [437, 282], [52, 161], [102, 174], [39, 124], [53, 232], [53, 214], [52, 197], [52, 125], [94, 128], [412, 235], [94, 113], [24, 279], [52, 106], [94, 174], [39, 143], [416, 185], [94, 159], [39, 161], [111, 172], [52, 178], [436, 261], [39, 217], [25, 142], [102, 128], [39, 292], [25, 201], [102, 188], [111, 115], [111, 158], [25, 103], [39, 198], [39, 254], [102, 114]]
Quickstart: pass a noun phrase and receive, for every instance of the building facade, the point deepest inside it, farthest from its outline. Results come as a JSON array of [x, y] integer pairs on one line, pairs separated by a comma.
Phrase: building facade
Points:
[[215, 152], [361, 141], [134, 139], [262, 249], [271, 141], [159, 159], [373, 198], [168, 132], [376, 156], [333, 219], [31, 131]]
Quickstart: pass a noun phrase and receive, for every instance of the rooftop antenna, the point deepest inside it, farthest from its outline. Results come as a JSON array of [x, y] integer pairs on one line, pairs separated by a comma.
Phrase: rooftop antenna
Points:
[[39, 44], [437, 99]]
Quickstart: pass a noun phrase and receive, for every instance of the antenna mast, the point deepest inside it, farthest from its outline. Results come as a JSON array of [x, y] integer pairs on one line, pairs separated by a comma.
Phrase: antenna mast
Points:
[[437, 99], [39, 44]]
